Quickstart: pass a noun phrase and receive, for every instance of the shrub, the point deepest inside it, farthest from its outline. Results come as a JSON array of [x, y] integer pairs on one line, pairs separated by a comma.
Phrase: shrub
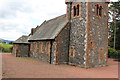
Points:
[[8, 50], [118, 53], [112, 53]]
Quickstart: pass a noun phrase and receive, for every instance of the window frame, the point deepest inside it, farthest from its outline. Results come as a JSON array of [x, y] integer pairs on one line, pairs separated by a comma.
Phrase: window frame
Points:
[[72, 51], [47, 47], [75, 10], [78, 10], [99, 10], [35, 46], [40, 47]]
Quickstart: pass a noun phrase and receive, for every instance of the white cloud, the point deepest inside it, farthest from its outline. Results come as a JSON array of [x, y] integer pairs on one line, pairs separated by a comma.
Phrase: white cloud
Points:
[[10, 34], [17, 17]]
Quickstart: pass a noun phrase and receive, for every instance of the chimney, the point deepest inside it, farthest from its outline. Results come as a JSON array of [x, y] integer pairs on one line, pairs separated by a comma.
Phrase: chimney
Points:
[[32, 31]]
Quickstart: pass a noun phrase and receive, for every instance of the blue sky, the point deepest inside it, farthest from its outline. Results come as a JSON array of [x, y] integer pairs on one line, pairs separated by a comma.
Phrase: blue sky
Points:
[[17, 17]]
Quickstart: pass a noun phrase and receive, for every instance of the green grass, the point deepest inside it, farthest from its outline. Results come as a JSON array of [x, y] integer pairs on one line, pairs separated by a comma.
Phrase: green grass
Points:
[[6, 48], [5, 45]]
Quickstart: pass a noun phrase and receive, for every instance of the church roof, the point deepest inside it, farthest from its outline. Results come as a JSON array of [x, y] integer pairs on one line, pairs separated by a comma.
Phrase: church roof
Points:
[[50, 29], [22, 39]]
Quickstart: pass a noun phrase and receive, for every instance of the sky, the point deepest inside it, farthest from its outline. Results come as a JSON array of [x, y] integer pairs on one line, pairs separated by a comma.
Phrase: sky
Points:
[[17, 17]]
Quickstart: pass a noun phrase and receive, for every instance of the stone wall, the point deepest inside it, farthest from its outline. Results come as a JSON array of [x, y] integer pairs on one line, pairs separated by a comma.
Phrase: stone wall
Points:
[[77, 37], [40, 50], [88, 35], [54, 53], [98, 36], [21, 50], [14, 50], [60, 47], [63, 45]]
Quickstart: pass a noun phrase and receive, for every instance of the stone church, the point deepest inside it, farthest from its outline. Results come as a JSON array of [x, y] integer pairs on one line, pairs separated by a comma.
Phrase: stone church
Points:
[[79, 37], [21, 47]]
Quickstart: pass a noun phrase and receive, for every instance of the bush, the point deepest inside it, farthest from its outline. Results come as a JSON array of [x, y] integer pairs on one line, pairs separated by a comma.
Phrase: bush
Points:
[[118, 53], [8, 50], [112, 53]]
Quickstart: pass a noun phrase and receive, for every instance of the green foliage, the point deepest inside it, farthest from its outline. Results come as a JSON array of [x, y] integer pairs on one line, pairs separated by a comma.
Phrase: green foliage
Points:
[[11, 42], [115, 7], [118, 52], [6, 47], [7, 50], [2, 41], [112, 53]]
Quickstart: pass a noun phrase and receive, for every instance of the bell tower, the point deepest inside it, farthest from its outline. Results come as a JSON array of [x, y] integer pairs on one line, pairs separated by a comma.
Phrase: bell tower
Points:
[[88, 33]]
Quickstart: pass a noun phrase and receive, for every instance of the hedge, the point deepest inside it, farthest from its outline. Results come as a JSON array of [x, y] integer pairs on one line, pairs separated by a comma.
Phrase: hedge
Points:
[[112, 53], [8, 50]]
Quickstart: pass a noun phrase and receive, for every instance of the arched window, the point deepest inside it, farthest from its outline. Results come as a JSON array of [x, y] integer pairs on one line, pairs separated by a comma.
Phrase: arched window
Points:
[[97, 10], [74, 10], [35, 46], [100, 11], [41, 47], [48, 47], [78, 10], [72, 51]]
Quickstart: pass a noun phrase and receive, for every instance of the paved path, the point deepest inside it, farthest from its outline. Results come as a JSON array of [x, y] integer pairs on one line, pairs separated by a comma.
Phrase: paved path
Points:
[[33, 68]]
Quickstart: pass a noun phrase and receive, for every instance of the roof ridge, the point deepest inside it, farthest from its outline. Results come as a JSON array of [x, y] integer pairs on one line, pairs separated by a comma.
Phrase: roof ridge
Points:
[[54, 18], [40, 24], [24, 36]]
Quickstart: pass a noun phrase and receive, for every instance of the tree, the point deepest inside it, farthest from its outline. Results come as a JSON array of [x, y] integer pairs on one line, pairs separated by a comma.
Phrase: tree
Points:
[[11, 42], [114, 40]]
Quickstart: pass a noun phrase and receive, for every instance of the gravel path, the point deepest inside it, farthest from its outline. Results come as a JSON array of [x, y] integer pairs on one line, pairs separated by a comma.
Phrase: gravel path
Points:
[[33, 68]]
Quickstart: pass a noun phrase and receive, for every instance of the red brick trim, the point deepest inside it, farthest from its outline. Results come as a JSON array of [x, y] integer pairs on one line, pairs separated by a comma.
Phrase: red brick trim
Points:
[[107, 36], [57, 45], [87, 33], [35, 46], [101, 53], [40, 47], [48, 47], [31, 46]]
